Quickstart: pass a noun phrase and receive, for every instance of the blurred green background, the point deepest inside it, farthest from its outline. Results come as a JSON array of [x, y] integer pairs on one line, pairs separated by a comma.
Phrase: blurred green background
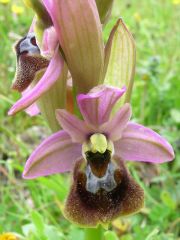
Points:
[[33, 208]]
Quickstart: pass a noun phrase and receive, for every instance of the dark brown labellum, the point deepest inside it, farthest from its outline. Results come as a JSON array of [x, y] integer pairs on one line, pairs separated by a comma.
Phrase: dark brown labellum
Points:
[[120, 195], [29, 62]]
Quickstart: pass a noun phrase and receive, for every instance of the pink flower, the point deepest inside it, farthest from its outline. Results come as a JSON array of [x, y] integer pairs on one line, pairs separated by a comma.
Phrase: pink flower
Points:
[[132, 142], [96, 148]]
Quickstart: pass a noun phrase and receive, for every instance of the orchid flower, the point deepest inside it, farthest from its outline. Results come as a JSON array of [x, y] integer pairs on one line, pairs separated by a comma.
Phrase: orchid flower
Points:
[[40, 67], [95, 149]]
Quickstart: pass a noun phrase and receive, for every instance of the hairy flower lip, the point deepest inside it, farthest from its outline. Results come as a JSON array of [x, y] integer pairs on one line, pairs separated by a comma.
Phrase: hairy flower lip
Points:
[[128, 138], [101, 208], [50, 76], [29, 62], [24, 74]]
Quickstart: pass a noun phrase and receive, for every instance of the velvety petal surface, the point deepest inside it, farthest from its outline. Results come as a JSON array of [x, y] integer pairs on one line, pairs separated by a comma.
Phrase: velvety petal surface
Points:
[[139, 143], [96, 106], [56, 154], [114, 128], [76, 128], [49, 78], [79, 31]]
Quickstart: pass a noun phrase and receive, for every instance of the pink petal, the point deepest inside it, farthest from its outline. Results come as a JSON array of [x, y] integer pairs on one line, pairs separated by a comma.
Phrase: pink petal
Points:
[[49, 42], [74, 126], [55, 154], [33, 109], [114, 128], [139, 143], [49, 78], [97, 105]]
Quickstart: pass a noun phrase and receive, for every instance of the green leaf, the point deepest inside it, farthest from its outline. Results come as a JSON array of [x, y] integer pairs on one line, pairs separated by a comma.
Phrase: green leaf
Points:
[[109, 235], [159, 213], [152, 234], [168, 200], [75, 233], [52, 233], [127, 237], [57, 184], [38, 222]]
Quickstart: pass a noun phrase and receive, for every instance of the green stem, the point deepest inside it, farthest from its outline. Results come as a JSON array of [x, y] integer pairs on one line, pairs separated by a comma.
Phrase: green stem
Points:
[[94, 233]]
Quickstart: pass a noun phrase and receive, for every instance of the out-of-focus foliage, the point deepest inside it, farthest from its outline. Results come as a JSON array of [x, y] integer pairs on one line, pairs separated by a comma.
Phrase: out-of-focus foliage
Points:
[[32, 209]]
